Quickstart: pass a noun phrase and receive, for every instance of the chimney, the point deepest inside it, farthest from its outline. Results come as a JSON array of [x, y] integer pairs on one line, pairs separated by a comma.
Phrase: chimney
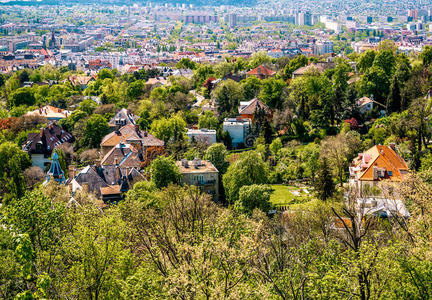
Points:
[[98, 163], [116, 161], [392, 146], [145, 133], [71, 171]]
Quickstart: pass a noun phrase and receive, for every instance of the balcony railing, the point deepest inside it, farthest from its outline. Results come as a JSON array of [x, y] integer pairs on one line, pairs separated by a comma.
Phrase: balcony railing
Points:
[[206, 182]]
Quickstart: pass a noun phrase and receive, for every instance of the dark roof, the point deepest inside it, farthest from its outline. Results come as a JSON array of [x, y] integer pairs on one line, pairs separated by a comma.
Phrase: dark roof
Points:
[[108, 176], [123, 117], [47, 139]]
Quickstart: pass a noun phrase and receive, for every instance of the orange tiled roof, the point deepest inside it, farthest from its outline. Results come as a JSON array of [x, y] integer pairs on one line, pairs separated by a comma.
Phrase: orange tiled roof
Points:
[[261, 70], [382, 157], [110, 190], [130, 134]]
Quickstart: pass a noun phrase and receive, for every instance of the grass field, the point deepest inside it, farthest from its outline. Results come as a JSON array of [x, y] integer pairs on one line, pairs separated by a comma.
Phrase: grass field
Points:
[[284, 195]]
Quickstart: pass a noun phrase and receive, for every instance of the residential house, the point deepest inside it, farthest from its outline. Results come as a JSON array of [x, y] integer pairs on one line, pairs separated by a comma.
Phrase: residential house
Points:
[[314, 67], [366, 104], [373, 176], [238, 129], [121, 118], [261, 72], [40, 145], [108, 183], [127, 155], [206, 136], [81, 80], [201, 173], [146, 145], [50, 112], [248, 109], [373, 166], [382, 207], [157, 82]]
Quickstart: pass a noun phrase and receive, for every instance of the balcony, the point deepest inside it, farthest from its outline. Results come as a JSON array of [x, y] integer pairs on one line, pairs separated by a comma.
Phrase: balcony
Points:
[[206, 182]]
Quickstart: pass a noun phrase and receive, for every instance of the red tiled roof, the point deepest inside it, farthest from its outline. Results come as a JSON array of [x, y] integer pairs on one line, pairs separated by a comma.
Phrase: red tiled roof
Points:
[[261, 70]]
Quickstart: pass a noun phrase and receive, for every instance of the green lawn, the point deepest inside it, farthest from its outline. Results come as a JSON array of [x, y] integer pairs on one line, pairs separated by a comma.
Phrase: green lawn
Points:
[[286, 195]]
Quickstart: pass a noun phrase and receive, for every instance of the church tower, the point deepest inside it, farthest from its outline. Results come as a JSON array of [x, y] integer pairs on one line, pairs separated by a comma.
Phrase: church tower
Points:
[[55, 170]]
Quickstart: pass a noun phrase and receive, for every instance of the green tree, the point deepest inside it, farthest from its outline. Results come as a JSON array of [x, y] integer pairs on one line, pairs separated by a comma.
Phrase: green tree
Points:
[[13, 162], [186, 63], [2, 80], [366, 60], [98, 259], [340, 83], [324, 185], [87, 106], [164, 171], [386, 60], [169, 130], [249, 169], [338, 151], [216, 154], [105, 73], [394, 100], [95, 128], [202, 73], [144, 191], [271, 92], [275, 147], [135, 89], [35, 215], [22, 96], [228, 95], [208, 120], [426, 55], [259, 58], [251, 87], [252, 197], [144, 121], [375, 82], [294, 64], [216, 261]]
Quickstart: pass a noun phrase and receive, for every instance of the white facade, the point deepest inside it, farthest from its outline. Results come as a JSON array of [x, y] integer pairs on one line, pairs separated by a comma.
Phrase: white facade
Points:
[[238, 129], [333, 25], [206, 136]]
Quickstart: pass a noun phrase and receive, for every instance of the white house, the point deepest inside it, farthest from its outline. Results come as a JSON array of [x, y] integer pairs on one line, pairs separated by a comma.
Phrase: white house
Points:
[[365, 104], [238, 129], [206, 136]]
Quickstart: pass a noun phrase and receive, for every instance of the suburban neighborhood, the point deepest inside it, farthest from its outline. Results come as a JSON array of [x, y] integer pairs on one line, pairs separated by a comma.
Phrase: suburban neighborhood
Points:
[[240, 149]]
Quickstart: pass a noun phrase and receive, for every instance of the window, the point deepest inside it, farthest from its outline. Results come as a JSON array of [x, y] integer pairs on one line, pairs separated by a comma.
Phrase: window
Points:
[[198, 178]]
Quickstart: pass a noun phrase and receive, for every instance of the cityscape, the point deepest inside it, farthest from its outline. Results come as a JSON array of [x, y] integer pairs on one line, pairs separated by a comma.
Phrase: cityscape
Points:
[[232, 149]]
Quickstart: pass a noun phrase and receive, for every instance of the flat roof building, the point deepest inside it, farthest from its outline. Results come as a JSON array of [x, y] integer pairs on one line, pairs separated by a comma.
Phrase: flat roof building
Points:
[[201, 173]]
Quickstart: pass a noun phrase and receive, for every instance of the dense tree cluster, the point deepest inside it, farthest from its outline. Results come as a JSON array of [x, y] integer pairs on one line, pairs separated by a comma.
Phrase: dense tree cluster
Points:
[[176, 242]]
